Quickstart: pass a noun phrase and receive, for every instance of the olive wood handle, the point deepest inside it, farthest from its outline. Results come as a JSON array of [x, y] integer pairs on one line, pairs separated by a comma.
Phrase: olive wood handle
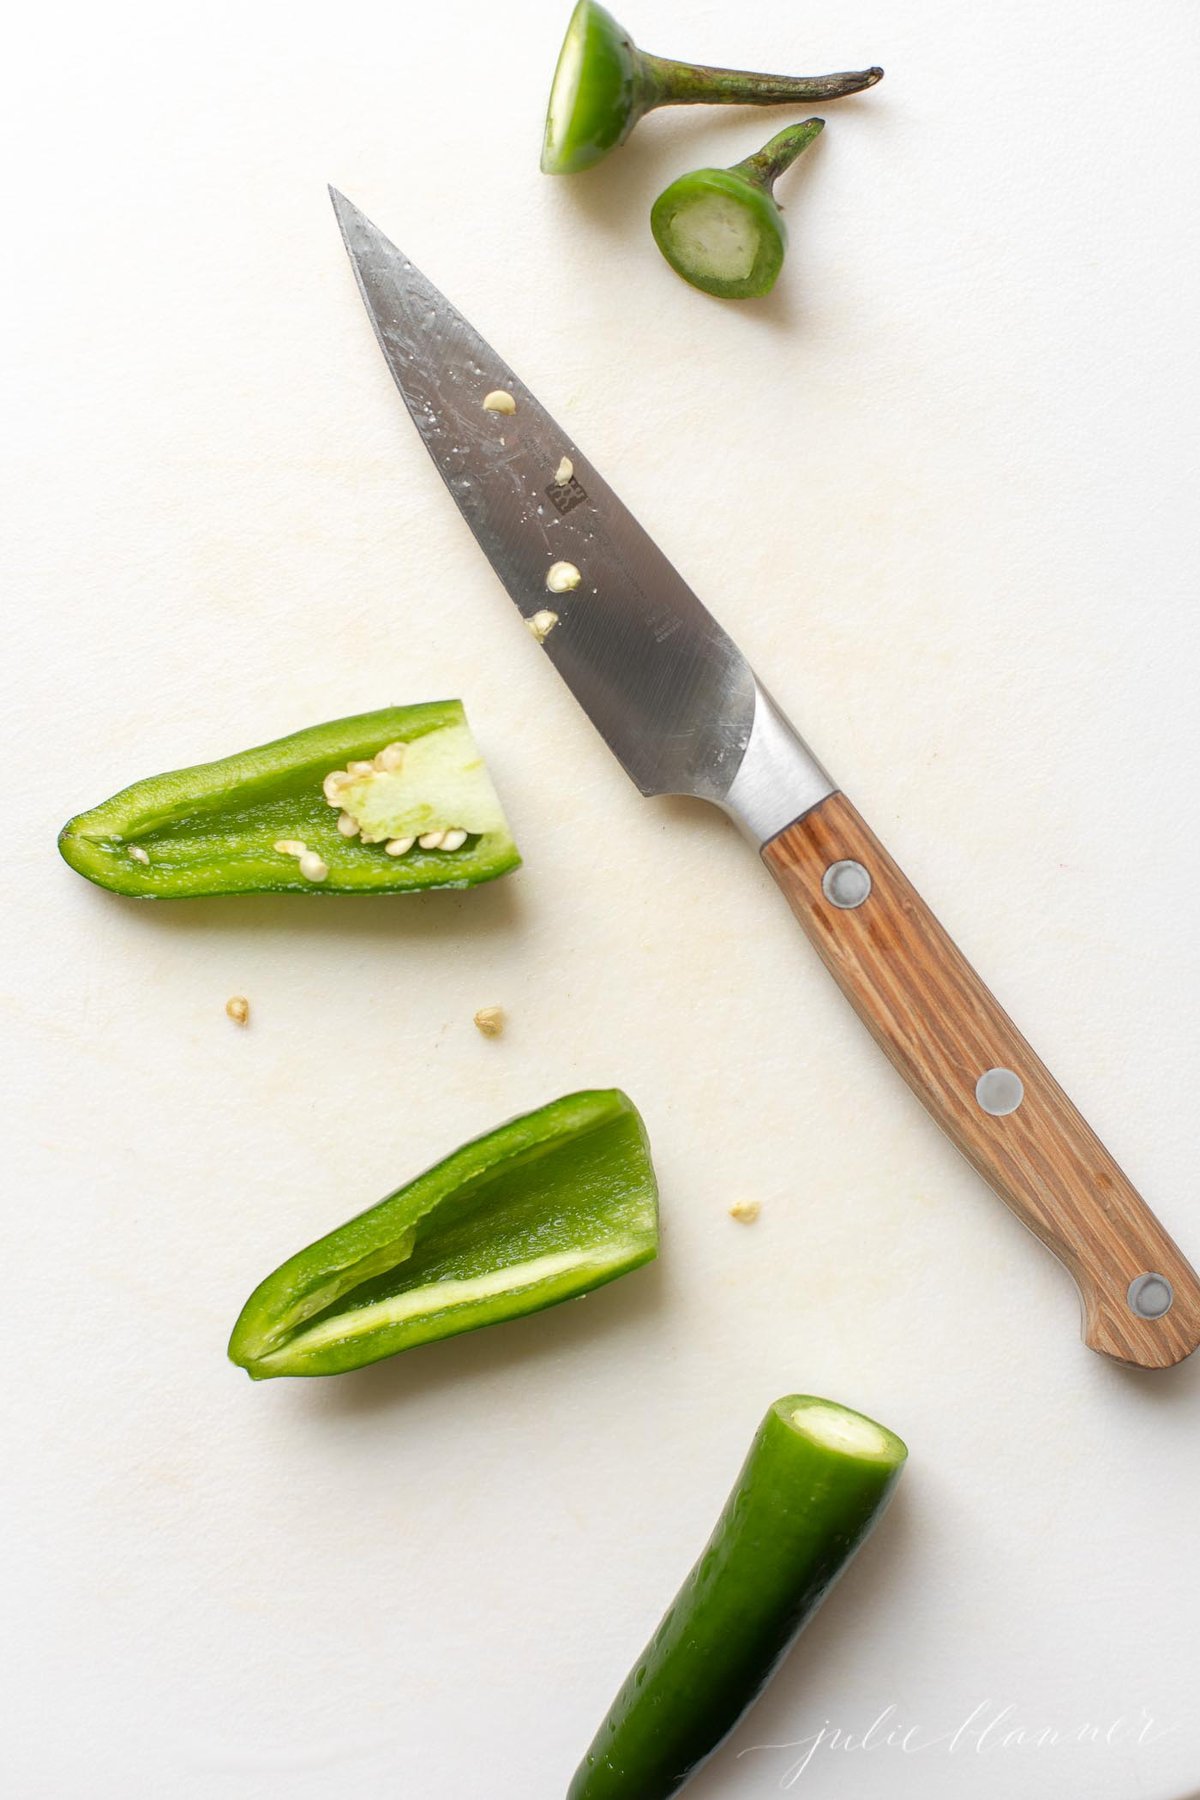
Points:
[[928, 1010]]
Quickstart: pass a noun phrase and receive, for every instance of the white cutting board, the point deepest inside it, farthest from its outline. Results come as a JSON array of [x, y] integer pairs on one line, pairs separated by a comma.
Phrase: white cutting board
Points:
[[942, 489]]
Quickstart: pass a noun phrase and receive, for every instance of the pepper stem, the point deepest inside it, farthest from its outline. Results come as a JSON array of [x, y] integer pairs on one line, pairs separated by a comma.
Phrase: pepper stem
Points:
[[691, 84], [766, 166]]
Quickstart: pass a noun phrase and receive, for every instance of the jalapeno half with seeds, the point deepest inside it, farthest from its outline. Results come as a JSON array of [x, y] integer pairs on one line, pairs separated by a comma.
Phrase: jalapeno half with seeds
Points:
[[384, 802]]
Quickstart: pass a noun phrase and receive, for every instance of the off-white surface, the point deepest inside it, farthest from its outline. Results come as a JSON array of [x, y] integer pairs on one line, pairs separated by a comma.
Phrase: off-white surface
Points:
[[943, 489]]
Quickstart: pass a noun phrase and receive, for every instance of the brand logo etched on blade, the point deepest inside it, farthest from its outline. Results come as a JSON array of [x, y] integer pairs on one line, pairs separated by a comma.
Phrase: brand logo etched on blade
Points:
[[566, 495]]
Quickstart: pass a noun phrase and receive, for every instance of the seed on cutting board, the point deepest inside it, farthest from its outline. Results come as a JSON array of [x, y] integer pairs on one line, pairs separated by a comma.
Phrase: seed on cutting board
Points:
[[347, 826], [238, 1009], [313, 867], [399, 846], [290, 847], [498, 401], [562, 577], [542, 624], [490, 1020], [745, 1211], [138, 854], [564, 471]]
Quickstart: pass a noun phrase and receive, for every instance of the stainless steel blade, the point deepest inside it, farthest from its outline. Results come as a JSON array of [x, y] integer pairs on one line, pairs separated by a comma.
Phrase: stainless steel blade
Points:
[[669, 692]]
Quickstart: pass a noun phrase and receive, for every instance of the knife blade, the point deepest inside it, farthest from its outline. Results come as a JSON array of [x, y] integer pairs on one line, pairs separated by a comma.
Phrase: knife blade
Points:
[[671, 695], [684, 713]]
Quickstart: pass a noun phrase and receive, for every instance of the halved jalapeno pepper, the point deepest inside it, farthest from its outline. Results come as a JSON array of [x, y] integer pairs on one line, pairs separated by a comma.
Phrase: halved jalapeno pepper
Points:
[[548, 1206], [384, 802]]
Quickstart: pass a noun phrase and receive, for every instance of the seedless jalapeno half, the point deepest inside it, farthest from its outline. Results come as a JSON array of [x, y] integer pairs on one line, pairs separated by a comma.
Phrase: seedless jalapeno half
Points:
[[604, 84], [722, 229], [817, 1478], [550, 1205]]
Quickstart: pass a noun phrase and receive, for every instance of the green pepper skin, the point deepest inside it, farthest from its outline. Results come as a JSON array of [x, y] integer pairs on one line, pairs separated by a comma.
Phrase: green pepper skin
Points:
[[611, 95], [211, 829], [551, 1205], [748, 190], [603, 85], [817, 1478]]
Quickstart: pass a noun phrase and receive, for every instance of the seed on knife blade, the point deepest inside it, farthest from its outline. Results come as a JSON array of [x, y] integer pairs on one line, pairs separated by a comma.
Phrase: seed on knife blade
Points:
[[562, 578], [542, 624]]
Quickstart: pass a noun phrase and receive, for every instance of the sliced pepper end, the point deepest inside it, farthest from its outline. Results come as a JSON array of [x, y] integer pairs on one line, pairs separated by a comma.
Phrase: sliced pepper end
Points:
[[551, 1205], [840, 1430], [596, 97], [722, 232], [261, 821]]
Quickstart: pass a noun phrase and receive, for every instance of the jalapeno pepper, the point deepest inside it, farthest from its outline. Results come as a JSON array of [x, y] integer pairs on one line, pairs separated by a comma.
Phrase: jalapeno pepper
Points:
[[548, 1206], [385, 802], [817, 1478]]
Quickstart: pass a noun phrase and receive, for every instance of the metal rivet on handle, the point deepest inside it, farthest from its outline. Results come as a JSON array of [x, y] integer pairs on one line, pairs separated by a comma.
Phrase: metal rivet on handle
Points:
[[1150, 1296], [846, 884], [999, 1091]]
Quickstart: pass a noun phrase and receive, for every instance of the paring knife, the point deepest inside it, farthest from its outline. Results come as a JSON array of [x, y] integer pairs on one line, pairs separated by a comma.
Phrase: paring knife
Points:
[[682, 710]]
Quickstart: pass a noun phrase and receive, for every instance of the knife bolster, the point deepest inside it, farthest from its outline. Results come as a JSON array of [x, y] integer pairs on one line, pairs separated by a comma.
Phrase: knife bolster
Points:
[[778, 779]]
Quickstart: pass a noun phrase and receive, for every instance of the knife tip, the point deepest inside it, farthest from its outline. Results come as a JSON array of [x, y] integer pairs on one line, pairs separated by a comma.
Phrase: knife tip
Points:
[[345, 209], [350, 221]]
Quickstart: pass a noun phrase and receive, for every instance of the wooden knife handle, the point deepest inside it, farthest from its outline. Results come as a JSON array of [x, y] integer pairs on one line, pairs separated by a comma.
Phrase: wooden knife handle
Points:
[[929, 1011]]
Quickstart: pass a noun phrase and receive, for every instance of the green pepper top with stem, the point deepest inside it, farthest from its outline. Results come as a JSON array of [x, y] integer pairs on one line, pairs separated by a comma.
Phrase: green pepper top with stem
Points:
[[721, 229], [604, 84]]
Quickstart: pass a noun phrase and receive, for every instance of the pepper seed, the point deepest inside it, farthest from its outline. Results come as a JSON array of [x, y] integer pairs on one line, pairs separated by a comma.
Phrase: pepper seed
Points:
[[562, 578], [542, 624]]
